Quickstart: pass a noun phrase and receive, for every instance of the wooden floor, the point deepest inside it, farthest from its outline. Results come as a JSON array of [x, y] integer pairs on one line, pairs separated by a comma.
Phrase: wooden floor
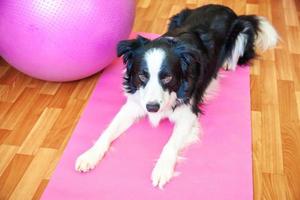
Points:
[[37, 118]]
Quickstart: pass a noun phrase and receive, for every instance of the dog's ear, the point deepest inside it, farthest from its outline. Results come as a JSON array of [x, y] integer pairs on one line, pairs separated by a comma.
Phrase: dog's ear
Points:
[[188, 55], [193, 63], [127, 48]]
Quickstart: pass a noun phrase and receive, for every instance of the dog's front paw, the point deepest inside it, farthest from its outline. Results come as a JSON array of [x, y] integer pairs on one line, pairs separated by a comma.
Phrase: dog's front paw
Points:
[[162, 172], [88, 160]]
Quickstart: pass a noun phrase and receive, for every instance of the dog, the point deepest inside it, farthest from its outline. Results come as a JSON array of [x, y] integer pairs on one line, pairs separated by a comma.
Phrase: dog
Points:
[[169, 77]]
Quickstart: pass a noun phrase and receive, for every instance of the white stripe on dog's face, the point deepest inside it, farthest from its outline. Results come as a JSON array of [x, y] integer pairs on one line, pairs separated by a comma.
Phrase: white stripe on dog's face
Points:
[[153, 91]]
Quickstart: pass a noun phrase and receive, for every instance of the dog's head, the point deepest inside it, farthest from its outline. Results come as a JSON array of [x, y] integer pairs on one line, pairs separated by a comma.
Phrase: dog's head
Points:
[[158, 70]]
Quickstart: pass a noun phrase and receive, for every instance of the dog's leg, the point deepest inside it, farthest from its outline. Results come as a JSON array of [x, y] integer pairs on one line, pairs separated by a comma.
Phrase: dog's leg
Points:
[[186, 131], [122, 121]]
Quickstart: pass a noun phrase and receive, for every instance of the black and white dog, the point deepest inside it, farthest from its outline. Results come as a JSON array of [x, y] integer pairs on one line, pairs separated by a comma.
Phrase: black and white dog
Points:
[[170, 76]]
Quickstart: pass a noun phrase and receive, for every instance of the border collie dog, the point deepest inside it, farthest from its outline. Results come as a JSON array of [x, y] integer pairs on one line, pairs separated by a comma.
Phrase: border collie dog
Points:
[[169, 77]]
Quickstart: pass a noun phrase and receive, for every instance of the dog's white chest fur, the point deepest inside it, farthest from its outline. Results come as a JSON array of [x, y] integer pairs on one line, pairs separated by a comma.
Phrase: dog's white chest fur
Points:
[[155, 118]]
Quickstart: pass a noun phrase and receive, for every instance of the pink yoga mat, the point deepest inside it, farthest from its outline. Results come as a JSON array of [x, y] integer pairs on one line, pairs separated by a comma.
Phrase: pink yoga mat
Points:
[[217, 168]]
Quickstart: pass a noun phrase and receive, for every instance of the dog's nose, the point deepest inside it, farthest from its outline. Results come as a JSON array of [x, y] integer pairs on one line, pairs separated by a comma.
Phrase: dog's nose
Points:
[[152, 106]]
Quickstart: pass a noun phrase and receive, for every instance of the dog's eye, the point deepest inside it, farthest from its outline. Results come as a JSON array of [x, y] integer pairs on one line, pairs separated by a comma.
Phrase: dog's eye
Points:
[[143, 78], [166, 79]]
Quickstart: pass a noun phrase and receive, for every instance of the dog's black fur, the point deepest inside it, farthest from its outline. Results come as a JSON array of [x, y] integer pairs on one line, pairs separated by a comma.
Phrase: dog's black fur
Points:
[[197, 44]]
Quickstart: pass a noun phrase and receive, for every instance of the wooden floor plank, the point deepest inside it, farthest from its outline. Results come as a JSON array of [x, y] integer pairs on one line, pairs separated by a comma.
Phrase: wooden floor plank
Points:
[[4, 133], [63, 126], [257, 146], [21, 130], [13, 174], [39, 132], [291, 157], [50, 88], [38, 193], [18, 111], [284, 65], [7, 153], [298, 103], [3, 69], [30, 181], [272, 185], [255, 93]]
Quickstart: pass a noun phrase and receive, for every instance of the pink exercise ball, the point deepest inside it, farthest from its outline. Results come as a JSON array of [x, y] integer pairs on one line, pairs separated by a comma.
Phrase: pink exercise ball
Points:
[[63, 40]]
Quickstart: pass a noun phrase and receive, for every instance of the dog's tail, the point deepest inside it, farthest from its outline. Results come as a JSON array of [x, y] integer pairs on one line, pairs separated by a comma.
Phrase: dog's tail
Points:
[[247, 33]]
